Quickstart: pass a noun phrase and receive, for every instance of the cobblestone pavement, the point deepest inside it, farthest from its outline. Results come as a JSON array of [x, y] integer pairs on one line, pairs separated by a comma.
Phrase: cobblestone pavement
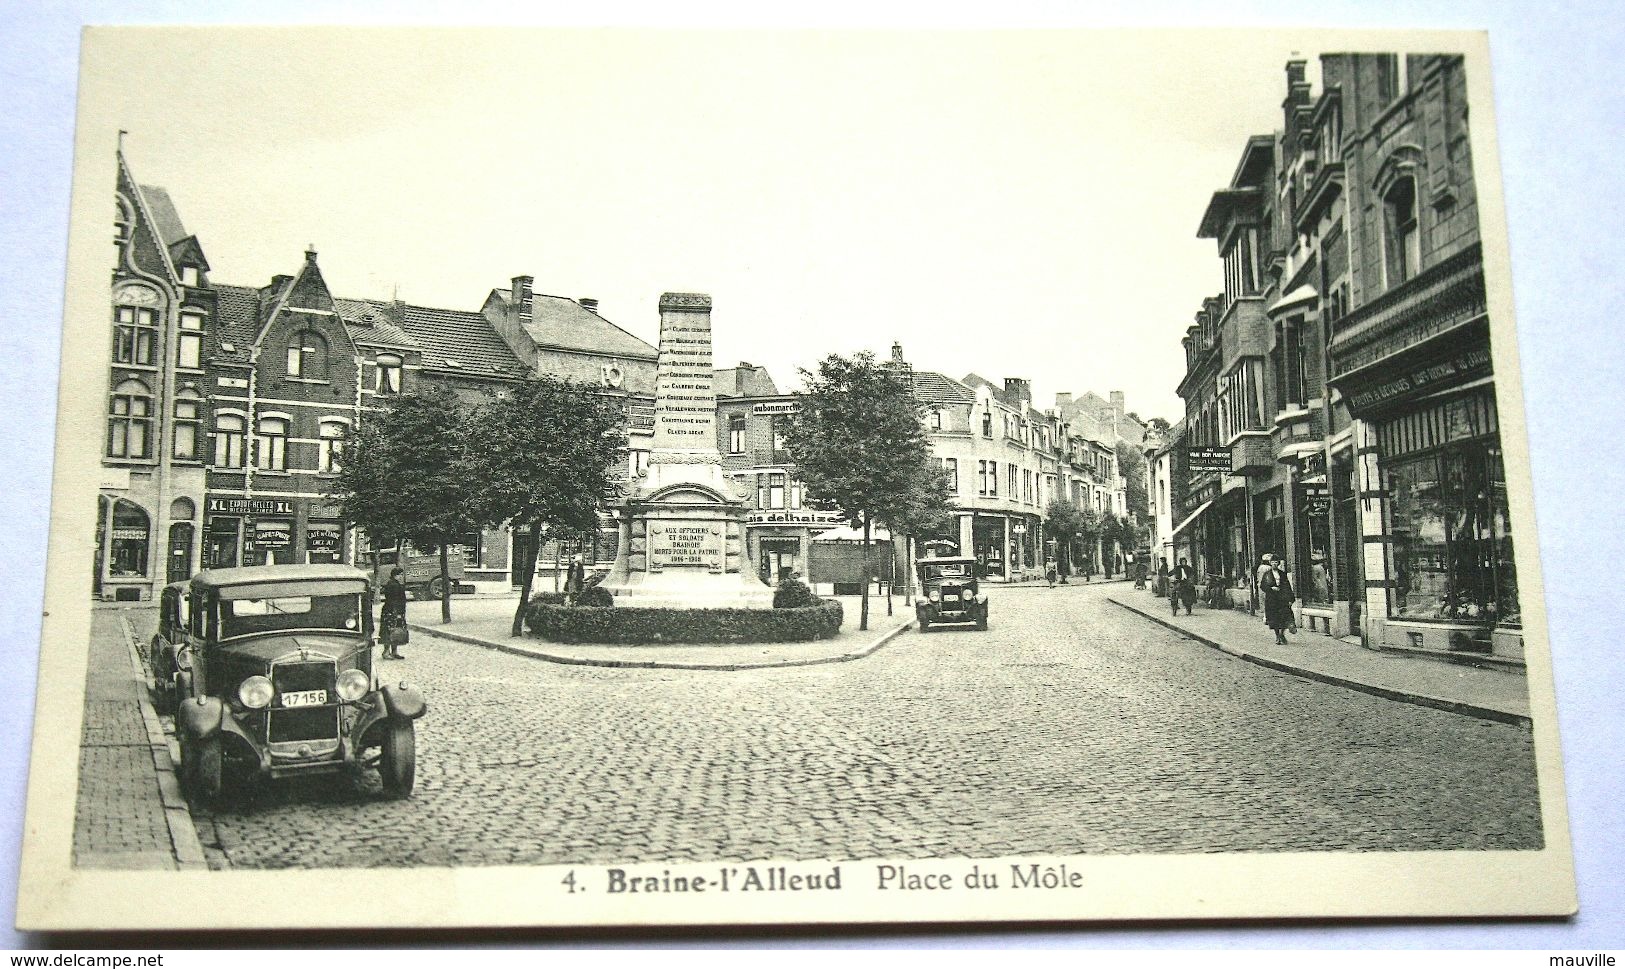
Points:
[[1071, 727]]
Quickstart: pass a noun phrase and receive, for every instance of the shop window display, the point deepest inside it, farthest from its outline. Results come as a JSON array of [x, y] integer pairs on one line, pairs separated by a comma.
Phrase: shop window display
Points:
[[1452, 544]]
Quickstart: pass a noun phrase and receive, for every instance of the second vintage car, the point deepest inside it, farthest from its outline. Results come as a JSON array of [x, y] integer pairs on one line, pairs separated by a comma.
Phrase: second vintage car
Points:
[[277, 677], [949, 593]]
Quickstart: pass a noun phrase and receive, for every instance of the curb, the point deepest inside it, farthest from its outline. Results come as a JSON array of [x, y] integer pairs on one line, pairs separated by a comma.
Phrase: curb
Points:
[[177, 813], [655, 664], [1419, 699]]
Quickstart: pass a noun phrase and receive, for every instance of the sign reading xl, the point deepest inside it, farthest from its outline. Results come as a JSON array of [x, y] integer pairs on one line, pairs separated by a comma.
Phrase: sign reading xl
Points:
[[1205, 459], [250, 506]]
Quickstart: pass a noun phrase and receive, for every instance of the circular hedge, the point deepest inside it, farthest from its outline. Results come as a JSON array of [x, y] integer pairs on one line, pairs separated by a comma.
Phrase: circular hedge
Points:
[[642, 625]]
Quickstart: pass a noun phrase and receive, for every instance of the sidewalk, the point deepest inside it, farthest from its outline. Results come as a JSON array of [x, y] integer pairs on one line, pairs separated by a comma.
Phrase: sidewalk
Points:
[[1489, 694], [487, 622], [129, 813]]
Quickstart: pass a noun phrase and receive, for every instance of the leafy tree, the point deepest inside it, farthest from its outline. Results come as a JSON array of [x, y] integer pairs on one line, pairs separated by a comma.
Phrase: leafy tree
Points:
[[549, 457], [1159, 426], [926, 506], [1131, 465], [859, 443], [405, 477]]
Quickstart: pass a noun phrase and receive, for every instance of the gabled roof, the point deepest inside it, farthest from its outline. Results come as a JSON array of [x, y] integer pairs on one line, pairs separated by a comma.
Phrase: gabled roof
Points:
[[165, 218], [369, 322], [459, 341], [934, 388], [237, 309], [744, 381], [564, 324]]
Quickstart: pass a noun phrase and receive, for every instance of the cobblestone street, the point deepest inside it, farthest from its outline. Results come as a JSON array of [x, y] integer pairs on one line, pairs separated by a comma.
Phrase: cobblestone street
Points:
[[1071, 727]]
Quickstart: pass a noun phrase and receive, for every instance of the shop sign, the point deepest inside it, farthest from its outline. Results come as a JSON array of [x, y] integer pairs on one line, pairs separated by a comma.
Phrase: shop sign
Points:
[[1461, 367], [1314, 463], [1315, 498], [250, 506], [322, 538], [769, 407], [114, 479], [273, 534], [794, 518], [1201, 460]]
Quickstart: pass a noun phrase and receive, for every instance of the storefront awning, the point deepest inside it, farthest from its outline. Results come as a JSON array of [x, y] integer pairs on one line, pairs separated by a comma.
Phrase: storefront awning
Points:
[[1204, 506], [846, 533]]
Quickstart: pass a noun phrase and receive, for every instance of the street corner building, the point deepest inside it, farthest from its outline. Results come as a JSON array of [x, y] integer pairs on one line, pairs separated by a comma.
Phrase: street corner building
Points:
[[1340, 405], [229, 406]]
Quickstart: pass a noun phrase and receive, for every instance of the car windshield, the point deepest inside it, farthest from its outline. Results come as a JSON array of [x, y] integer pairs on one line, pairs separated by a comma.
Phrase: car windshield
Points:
[[245, 617], [952, 570]]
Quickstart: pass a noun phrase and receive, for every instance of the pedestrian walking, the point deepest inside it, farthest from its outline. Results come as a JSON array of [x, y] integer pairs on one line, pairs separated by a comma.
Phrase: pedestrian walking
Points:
[[392, 629], [1184, 587], [1278, 598], [1049, 573], [1162, 576], [1141, 568], [1266, 565]]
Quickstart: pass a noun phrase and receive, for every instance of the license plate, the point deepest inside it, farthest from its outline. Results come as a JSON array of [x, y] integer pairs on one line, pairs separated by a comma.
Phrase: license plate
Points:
[[304, 698]]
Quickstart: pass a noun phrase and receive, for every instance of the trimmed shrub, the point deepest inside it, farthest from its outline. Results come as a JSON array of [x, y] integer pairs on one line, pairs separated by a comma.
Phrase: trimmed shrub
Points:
[[596, 595], [793, 594], [633, 625]]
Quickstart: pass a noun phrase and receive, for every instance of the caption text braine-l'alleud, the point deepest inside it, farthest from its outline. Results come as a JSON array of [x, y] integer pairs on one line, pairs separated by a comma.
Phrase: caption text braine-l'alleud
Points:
[[787, 878]]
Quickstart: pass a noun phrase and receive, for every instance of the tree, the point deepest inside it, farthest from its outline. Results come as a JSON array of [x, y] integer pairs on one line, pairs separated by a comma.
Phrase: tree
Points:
[[549, 457], [405, 478], [859, 444], [927, 505], [1064, 522], [1131, 465]]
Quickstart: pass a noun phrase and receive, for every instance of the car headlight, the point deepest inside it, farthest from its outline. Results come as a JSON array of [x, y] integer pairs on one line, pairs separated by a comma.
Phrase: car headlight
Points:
[[255, 692], [936, 596], [354, 684]]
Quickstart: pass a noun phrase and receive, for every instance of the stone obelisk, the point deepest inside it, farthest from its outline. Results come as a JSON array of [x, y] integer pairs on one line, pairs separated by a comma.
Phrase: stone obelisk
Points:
[[682, 525]]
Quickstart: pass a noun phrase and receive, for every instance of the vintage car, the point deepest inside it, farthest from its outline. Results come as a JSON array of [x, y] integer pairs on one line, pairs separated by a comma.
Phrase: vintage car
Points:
[[277, 677], [167, 650], [419, 573], [949, 593]]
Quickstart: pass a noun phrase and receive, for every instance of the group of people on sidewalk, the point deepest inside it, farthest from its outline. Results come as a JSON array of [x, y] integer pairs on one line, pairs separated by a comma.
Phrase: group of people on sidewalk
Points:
[[1271, 586]]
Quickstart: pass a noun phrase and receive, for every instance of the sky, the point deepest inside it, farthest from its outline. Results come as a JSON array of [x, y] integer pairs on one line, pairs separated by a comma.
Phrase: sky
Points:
[[1013, 203]]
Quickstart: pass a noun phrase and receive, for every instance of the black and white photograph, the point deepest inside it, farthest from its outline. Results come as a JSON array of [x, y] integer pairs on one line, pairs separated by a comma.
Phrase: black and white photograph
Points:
[[784, 476]]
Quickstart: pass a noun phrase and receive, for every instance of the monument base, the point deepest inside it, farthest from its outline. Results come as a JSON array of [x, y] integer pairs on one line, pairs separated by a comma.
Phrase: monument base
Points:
[[683, 546]]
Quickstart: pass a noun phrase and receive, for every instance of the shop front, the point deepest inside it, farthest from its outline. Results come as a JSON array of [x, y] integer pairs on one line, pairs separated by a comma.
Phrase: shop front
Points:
[[242, 531], [777, 539]]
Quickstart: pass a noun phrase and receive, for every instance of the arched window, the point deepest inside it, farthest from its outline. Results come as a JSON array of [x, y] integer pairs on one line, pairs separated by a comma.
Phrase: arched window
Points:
[[127, 552], [271, 444], [307, 356], [1402, 242], [333, 435], [129, 421], [229, 435], [182, 510], [188, 425]]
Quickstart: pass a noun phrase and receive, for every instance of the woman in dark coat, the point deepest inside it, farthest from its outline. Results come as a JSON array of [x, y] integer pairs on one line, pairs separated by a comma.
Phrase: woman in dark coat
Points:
[[392, 617], [1278, 596]]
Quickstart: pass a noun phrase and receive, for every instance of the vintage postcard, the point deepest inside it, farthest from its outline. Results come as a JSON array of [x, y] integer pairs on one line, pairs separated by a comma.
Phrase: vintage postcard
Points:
[[519, 477]]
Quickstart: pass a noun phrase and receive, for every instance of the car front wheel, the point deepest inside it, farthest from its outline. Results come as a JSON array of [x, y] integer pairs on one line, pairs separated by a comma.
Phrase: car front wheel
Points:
[[397, 766], [201, 766]]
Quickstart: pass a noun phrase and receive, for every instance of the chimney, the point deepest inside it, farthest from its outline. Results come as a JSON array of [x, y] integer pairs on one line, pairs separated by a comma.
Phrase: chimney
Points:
[[1063, 401], [1017, 391], [896, 352], [310, 253], [589, 304], [739, 377], [522, 299]]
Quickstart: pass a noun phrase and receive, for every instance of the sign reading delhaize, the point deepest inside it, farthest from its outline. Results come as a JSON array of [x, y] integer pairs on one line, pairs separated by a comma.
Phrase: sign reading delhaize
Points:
[[685, 395], [250, 506], [1205, 459]]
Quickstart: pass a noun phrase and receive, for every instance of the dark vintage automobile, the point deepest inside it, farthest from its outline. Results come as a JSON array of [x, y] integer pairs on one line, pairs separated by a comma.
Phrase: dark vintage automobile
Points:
[[277, 677], [167, 650], [949, 593]]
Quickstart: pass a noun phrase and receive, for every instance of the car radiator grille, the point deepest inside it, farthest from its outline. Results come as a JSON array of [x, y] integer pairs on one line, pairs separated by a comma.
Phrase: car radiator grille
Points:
[[304, 723]]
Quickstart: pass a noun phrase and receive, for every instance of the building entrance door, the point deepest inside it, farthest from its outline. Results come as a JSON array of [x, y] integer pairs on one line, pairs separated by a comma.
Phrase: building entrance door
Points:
[[180, 552], [778, 558]]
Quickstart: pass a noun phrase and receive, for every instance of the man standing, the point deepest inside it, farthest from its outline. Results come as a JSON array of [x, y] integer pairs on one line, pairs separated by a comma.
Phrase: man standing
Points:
[[1184, 587], [575, 579]]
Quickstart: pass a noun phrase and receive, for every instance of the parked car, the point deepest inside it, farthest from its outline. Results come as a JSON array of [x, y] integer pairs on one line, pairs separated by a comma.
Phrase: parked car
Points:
[[420, 573], [167, 651], [949, 593], [278, 679]]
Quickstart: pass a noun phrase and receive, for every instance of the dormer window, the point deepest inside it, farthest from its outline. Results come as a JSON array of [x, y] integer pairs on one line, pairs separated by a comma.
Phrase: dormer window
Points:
[[386, 378], [189, 276]]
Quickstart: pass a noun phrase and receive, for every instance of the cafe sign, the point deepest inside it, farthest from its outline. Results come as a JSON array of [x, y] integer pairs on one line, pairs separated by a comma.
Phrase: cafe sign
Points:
[[1201, 460], [250, 506]]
